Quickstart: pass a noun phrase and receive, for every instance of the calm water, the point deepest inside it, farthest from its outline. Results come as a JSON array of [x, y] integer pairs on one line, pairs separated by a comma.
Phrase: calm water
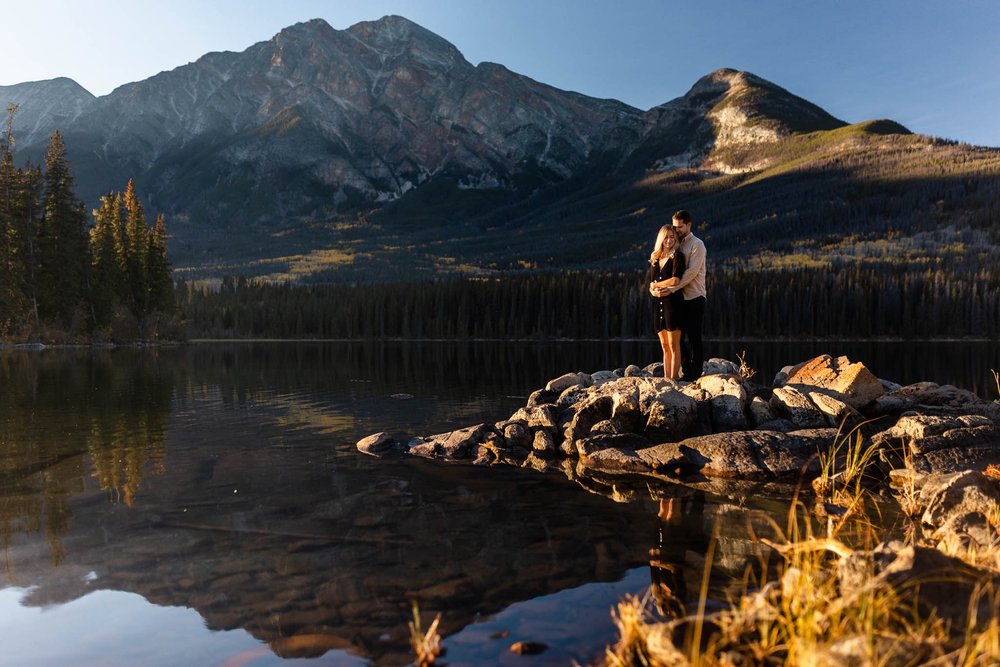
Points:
[[205, 505]]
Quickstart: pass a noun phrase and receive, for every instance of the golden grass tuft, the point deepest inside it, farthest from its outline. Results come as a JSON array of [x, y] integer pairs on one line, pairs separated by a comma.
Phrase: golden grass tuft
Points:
[[426, 644]]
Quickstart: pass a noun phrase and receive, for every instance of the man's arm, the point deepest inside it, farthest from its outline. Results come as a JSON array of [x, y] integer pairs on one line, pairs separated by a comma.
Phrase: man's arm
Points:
[[695, 263]]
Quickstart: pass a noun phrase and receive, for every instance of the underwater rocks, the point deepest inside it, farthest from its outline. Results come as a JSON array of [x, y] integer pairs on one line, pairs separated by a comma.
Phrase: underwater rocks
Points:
[[724, 426]]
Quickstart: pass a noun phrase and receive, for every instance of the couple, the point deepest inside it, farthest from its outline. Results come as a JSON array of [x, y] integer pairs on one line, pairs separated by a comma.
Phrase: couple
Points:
[[677, 283]]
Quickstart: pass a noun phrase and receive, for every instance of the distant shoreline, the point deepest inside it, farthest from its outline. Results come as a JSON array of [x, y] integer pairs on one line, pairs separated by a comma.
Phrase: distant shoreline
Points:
[[5, 346]]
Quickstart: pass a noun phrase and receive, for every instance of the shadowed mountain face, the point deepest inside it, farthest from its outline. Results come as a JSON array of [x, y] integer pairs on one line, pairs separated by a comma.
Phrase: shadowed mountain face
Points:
[[378, 152], [317, 120]]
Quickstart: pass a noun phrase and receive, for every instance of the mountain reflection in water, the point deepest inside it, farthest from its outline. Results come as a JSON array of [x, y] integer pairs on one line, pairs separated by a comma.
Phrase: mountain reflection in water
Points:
[[223, 480]]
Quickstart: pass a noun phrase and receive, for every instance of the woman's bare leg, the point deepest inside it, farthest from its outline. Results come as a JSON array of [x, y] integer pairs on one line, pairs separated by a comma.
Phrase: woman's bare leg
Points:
[[667, 358], [674, 345]]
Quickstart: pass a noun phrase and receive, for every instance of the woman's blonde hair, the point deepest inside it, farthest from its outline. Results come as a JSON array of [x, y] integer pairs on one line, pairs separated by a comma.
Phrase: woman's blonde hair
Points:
[[661, 237]]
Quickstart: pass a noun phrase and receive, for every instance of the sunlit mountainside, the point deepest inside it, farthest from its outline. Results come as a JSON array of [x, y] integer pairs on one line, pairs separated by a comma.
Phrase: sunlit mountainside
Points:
[[379, 152]]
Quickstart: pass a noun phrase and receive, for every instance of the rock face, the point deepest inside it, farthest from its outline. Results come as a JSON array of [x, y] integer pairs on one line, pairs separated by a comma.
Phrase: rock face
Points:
[[723, 427], [317, 121]]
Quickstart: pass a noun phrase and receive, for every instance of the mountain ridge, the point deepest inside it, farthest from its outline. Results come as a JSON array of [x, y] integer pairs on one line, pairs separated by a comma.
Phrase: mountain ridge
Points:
[[386, 129]]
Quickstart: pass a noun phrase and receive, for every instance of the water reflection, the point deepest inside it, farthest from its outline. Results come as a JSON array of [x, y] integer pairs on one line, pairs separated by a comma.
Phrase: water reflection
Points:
[[224, 480]]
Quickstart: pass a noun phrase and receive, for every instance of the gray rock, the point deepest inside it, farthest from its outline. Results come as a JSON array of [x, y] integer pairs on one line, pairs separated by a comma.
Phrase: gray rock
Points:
[[655, 369], [779, 425], [542, 397], [924, 579], [608, 427], [616, 459], [571, 395], [458, 444], [760, 412], [543, 443], [601, 377], [729, 398], [670, 414], [564, 382], [838, 414], [624, 441], [634, 371], [516, 434], [625, 406], [581, 418], [791, 403], [717, 366], [956, 459], [742, 454], [378, 444]]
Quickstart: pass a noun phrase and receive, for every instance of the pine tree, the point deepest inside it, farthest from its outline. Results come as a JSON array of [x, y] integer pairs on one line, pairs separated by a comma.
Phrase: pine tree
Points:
[[106, 278], [135, 255], [161, 289], [63, 254], [12, 297]]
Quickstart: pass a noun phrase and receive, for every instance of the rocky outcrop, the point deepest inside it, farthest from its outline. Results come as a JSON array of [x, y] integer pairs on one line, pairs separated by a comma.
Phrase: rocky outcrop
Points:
[[724, 427]]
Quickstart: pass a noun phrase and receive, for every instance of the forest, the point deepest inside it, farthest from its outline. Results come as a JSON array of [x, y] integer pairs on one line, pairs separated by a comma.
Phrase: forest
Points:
[[64, 280], [852, 301]]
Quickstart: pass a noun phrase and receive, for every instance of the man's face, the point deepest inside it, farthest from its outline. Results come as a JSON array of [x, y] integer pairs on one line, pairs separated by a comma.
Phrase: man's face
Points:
[[681, 229]]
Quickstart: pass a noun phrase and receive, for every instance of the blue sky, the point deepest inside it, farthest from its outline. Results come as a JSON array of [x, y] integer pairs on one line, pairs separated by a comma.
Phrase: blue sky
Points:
[[933, 66]]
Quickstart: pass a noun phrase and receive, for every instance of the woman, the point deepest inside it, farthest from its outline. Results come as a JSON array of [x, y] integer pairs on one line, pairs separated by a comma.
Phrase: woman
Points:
[[666, 266]]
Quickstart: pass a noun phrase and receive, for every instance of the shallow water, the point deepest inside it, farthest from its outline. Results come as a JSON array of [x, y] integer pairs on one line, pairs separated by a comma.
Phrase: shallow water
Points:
[[206, 505]]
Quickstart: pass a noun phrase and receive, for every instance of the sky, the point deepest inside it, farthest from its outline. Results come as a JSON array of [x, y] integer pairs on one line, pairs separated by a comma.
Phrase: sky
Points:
[[932, 65]]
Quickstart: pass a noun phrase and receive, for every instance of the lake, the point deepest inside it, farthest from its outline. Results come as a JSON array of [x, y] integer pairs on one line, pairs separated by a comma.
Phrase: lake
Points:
[[205, 504]]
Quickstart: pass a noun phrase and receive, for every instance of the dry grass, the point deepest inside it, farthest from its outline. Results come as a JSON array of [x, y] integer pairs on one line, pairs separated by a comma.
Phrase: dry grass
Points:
[[803, 615], [426, 644]]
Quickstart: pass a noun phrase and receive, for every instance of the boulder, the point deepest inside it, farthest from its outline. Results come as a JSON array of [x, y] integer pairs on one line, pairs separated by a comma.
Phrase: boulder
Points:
[[581, 418], [616, 459], [960, 507], [742, 454], [729, 399], [760, 412], [517, 435], [564, 382], [543, 443], [602, 377], [625, 406], [571, 396], [538, 416], [378, 444], [634, 371], [934, 399], [849, 382], [542, 397], [717, 366], [457, 444], [921, 433], [670, 414], [608, 427], [924, 579], [791, 403], [655, 369], [956, 459], [624, 441], [838, 414]]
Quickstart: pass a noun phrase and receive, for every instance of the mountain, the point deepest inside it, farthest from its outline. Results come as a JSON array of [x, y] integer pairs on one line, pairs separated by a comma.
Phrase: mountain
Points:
[[339, 154], [44, 107]]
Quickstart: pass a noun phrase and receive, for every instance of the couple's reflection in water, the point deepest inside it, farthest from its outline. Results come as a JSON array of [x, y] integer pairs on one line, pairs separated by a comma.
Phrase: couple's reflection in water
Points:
[[676, 562]]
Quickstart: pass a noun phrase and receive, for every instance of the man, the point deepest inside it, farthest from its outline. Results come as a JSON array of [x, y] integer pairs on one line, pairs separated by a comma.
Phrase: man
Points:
[[692, 283]]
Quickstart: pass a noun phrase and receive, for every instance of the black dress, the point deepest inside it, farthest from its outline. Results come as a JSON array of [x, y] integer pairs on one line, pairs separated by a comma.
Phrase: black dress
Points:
[[667, 309]]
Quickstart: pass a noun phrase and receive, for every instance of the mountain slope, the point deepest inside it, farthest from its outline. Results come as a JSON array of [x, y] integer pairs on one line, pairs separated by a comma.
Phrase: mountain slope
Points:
[[379, 152]]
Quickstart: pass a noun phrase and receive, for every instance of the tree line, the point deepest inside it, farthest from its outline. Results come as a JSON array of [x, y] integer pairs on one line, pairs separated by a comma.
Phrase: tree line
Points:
[[64, 279], [858, 300]]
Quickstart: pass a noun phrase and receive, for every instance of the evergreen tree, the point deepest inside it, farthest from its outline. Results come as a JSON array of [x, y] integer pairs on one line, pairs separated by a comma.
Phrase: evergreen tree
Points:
[[135, 252], [161, 292], [106, 278], [12, 299], [63, 252]]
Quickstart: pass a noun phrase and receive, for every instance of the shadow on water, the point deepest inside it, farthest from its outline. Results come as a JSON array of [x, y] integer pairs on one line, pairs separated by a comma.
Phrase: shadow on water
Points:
[[223, 479]]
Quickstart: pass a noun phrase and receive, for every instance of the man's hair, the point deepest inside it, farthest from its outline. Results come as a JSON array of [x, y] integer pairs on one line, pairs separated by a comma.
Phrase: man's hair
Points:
[[682, 216]]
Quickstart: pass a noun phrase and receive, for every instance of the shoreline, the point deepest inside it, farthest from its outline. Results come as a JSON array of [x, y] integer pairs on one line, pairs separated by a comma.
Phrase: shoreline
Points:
[[5, 345]]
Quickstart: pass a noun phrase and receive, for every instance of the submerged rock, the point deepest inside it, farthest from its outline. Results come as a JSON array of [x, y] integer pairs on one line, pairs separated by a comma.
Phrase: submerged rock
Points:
[[378, 444]]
